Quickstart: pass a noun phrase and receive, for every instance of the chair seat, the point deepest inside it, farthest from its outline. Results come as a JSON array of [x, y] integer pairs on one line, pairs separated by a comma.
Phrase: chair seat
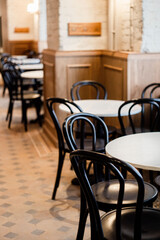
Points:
[[150, 224], [27, 96], [31, 96], [107, 192]]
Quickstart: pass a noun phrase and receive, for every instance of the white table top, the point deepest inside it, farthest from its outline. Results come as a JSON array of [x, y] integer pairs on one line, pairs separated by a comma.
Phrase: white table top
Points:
[[33, 74], [19, 57], [38, 66], [102, 108], [141, 150], [26, 61]]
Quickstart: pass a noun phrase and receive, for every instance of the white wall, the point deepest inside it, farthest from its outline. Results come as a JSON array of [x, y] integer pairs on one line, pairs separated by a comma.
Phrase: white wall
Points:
[[128, 18], [137, 24], [121, 24], [82, 11], [42, 25], [75, 11], [151, 26]]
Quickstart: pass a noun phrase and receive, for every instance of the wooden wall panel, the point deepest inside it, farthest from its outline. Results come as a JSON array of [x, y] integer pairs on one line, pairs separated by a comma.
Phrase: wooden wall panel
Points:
[[3, 13], [76, 73], [19, 47], [49, 91], [113, 77], [115, 74]]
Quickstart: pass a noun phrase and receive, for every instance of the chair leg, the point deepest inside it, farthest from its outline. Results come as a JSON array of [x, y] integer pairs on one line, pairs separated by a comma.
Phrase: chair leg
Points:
[[151, 176], [59, 170], [4, 89], [10, 114], [24, 114], [82, 218], [38, 109], [9, 110]]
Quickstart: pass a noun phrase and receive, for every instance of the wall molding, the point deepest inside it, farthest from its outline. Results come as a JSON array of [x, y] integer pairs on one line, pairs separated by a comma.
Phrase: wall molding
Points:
[[113, 68]]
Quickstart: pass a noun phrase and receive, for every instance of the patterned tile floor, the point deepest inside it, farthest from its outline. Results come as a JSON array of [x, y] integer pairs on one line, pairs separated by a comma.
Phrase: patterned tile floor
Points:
[[27, 172], [28, 166]]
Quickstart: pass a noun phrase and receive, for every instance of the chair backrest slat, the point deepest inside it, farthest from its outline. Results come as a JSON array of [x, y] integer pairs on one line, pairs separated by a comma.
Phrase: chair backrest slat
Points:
[[51, 105], [97, 127], [80, 87], [148, 106]]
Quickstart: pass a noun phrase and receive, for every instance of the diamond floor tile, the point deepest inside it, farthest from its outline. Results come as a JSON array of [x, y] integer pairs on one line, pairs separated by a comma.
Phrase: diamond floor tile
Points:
[[27, 172]]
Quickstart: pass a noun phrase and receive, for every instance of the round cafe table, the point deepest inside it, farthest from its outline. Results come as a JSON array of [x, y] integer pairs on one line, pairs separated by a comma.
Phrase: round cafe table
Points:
[[19, 57], [26, 61], [33, 74], [101, 107], [141, 150], [27, 67]]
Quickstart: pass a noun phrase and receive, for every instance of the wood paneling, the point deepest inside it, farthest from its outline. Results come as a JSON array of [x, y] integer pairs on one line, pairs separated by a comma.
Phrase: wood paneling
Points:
[[76, 73], [3, 13], [143, 69], [49, 91], [115, 74], [19, 47], [113, 77]]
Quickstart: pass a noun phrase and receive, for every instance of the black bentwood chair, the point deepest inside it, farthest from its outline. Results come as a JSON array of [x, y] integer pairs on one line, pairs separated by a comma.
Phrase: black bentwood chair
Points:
[[97, 89], [52, 104], [3, 59], [153, 91], [143, 123], [103, 184], [146, 121], [134, 222], [94, 90], [17, 93]]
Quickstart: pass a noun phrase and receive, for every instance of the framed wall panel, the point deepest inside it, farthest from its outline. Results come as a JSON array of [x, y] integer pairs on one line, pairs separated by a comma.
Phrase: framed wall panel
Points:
[[113, 78], [78, 72]]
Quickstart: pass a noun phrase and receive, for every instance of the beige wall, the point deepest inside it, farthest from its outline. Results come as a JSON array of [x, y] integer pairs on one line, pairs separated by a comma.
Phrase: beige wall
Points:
[[53, 24], [3, 14], [20, 18]]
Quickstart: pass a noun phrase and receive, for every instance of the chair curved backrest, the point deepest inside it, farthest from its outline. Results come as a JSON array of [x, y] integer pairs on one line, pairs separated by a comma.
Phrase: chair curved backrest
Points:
[[14, 83], [152, 121], [92, 122], [4, 57], [79, 88], [150, 91], [51, 105], [11, 83], [78, 159]]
